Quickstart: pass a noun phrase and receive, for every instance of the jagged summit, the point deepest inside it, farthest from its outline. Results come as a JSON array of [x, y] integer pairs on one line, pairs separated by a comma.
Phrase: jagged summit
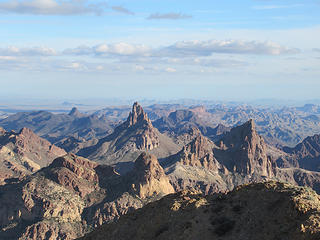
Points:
[[137, 115]]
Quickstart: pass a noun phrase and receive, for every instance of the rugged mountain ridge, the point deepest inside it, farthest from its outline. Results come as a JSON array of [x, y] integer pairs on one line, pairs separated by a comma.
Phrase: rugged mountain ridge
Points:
[[180, 122], [306, 154], [58, 128], [73, 195], [240, 156], [24, 153]]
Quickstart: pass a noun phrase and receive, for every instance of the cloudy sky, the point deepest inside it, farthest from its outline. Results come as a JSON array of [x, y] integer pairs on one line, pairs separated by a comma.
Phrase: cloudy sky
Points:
[[160, 49]]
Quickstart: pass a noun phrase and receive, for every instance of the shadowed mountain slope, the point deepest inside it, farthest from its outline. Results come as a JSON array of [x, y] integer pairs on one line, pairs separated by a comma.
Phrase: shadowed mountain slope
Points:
[[266, 211]]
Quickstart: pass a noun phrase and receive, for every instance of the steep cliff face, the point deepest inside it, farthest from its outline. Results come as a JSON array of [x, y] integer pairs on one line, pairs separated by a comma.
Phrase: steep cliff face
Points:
[[243, 151], [24, 153], [267, 211]]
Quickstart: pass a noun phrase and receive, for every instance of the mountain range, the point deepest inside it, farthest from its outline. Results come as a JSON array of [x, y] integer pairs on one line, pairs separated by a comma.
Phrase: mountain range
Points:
[[47, 193]]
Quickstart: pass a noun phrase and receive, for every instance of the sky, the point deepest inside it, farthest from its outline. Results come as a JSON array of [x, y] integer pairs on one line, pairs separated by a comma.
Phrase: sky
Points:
[[160, 49]]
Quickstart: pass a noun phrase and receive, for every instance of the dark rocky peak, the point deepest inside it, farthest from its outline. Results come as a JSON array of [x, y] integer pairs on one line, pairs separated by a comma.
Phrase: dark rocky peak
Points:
[[240, 134], [147, 164], [310, 147], [242, 150], [306, 154], [137, 115], [75, 112]]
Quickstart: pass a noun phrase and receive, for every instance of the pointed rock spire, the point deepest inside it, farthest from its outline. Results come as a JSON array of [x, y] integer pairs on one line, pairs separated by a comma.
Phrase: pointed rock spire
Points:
[[148, 138], [75, 112], [245, 151], [149, 178], [137, 115]]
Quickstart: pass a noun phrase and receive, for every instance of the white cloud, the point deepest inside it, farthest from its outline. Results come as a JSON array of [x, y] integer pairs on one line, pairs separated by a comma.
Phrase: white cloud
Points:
[[171, 16], [185, 49], [121, 49], [170, 70], [207, 48], [211, 54], [35, 51]]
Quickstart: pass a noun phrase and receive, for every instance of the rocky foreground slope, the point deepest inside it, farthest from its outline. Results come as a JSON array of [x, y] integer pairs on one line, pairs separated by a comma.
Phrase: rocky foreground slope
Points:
[[268, 211], [74, 195]]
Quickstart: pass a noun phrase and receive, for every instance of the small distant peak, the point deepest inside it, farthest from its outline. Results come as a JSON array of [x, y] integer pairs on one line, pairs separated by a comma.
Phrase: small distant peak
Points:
[[75, 112], [198, 109]]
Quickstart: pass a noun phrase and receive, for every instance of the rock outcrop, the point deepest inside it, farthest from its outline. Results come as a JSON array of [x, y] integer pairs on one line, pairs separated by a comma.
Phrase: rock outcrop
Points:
[[148, 178], [24, 153], [268, 211], [198, 153]]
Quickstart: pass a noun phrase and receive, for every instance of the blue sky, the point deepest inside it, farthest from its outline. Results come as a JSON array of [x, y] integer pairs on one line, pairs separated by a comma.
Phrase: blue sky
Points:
[[220, 50]]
